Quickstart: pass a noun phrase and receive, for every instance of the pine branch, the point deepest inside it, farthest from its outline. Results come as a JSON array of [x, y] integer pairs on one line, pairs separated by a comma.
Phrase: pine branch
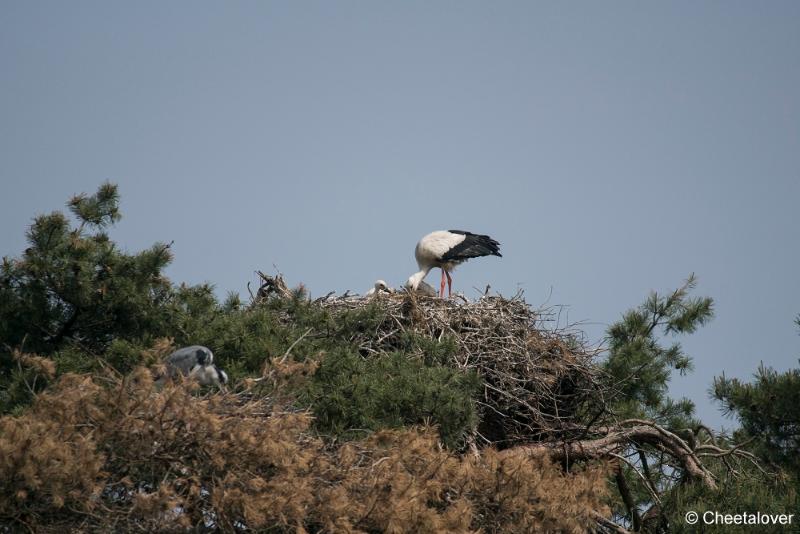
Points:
[[619, 438], [627, 498]]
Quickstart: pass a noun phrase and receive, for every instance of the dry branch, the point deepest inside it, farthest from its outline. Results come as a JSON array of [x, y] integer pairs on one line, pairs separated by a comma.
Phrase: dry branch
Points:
[[618, 440]]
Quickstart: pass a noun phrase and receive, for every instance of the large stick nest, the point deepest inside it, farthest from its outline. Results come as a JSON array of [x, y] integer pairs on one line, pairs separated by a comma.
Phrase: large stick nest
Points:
[[539, 379]]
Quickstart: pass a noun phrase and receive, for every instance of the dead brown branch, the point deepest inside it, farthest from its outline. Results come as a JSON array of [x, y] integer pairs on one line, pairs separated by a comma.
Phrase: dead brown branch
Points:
[[618, 440], [271, 285]]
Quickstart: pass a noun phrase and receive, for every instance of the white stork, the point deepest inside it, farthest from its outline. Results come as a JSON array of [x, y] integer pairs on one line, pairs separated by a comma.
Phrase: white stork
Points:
[[446, 249]]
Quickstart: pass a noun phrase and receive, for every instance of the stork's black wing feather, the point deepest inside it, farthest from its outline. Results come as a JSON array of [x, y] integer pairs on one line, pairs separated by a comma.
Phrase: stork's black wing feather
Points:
[[473, 246]]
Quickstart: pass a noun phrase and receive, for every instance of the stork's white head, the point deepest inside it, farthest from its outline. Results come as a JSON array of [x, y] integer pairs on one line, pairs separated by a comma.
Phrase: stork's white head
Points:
[[415, 279]]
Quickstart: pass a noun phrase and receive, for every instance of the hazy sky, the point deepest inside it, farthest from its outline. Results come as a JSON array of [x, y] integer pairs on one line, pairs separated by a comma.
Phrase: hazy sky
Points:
[[611, 147]]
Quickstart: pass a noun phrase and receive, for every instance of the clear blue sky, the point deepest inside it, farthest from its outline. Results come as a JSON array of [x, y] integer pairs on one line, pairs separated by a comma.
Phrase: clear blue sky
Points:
[[612, 148]]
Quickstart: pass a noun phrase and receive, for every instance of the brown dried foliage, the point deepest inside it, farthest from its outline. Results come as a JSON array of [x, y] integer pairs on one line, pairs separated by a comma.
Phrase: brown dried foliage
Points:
[[108, 454], [44, 367]]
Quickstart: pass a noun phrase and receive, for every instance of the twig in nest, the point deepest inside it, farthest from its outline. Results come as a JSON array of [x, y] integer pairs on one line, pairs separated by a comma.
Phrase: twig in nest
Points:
[[272, 285], [289, 350]]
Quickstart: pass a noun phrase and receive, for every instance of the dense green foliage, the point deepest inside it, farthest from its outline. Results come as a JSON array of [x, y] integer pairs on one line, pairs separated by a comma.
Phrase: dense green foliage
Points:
[[768, 409], [73, 291], [350, 392], [72, 285], [75, 298], [749, 492]]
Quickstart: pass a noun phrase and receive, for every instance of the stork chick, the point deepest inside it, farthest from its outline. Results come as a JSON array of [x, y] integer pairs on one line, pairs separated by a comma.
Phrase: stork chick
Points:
[[379, 287]]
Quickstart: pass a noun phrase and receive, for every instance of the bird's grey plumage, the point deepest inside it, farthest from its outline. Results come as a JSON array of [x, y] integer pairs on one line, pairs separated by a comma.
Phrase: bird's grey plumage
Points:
[[197, 363], [424, 288], [185, 359]]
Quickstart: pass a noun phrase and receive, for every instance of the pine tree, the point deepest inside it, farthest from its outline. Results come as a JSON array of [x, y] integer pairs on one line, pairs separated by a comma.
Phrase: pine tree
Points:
[[653, 496], [768, 409], [72, 283], [74, 292], [639, 366], [638, 370]]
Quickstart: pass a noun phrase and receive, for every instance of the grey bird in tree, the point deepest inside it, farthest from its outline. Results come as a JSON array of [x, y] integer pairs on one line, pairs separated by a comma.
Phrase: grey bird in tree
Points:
[[424, 289], [196, 363], [446, 249]]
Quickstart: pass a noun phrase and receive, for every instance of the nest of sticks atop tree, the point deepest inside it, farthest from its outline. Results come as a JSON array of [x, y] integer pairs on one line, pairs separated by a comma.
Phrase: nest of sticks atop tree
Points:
[[543, 389], [539, 377]]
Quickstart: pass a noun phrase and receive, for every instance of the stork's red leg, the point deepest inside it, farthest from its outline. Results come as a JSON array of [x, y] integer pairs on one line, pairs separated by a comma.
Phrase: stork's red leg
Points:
[[449, 284], [441, 288]]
